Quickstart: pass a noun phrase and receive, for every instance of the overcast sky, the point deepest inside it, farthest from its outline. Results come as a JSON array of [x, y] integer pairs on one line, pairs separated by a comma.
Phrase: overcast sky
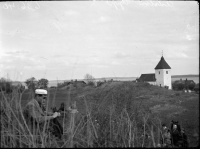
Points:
[[66, 40]]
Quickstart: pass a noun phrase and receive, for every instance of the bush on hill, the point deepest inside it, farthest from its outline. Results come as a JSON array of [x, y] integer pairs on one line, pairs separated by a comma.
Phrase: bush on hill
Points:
[[191, 86], [5, 85], [178, 86], [196, 88]]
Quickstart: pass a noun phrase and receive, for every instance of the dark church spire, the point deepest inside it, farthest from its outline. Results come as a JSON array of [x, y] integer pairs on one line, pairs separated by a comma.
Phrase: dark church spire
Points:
[[162, 64]]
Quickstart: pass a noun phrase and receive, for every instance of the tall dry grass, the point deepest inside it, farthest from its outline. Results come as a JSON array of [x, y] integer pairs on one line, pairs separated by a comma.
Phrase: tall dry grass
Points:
[[98, 127]]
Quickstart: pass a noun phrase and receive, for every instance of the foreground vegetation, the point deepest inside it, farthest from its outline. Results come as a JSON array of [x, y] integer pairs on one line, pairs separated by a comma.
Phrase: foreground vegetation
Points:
[[115, 114]]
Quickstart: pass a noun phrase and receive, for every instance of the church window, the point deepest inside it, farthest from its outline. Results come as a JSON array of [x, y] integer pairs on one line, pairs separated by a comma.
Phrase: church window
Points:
[[159, 72], [166, 72]]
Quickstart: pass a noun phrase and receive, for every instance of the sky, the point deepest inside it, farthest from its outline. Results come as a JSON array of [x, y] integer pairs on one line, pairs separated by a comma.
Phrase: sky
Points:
[[66, 40]]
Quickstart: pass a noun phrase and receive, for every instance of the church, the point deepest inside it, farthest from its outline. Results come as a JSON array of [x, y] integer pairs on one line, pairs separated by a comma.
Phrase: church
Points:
[[161, 77]]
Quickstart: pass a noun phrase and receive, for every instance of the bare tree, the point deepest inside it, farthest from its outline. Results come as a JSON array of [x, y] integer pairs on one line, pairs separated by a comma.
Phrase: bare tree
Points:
[[89, 79]]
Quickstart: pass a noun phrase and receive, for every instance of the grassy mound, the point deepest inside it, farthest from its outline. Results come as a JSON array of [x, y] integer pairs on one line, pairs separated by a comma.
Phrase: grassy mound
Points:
[[116, 114]]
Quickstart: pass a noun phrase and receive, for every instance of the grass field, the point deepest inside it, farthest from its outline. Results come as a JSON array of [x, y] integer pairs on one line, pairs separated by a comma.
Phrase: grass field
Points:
[[116, 114]]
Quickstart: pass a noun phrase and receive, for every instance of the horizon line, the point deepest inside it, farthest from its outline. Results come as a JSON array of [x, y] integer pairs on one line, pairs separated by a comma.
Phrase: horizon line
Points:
[[108, 78]]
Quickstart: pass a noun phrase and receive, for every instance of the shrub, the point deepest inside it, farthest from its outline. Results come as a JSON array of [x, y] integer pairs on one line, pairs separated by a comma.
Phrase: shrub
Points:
[[99, 83], [196, 88], [42, 83], [5, 85], [91, 83], [31, 83], [178, 86], [181, 86], [174, 86], [191, 86]]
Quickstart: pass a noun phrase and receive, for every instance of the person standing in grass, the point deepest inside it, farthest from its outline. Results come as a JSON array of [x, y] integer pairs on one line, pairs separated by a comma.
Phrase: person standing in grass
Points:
[[35, 115], [176, 134], [165, 139]]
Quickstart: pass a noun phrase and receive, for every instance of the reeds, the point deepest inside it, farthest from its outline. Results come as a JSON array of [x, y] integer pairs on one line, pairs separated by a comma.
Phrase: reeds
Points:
[[98, 127]]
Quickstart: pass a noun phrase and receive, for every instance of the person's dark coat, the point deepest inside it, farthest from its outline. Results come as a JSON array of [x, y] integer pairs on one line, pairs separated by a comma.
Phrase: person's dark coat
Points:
[[175, 137]]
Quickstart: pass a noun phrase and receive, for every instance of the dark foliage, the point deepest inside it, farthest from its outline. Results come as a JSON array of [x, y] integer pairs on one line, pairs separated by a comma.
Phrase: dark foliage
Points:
[[191, 86], [31, 83], [196, 88], [6, 87], [42, 83], [178, 86]]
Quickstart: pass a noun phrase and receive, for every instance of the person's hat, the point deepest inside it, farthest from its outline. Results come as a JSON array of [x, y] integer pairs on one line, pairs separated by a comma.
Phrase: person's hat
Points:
[[40, 91]]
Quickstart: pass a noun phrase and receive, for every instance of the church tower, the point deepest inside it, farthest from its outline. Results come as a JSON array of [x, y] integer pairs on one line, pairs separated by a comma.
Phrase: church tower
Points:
[[163, 74]]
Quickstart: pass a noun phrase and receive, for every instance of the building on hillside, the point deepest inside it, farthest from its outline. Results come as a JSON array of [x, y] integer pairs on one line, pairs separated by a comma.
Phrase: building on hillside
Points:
[[163, 74], [149, 78], [161, 77], [187, 85], [184, 81]]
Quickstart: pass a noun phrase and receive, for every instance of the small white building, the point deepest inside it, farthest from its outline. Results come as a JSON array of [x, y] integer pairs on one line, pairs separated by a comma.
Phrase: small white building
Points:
[[163, 74]]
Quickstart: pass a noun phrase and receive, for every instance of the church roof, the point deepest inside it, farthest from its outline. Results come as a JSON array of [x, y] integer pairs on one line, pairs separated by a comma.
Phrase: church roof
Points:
[[162, 64], [147, 77]]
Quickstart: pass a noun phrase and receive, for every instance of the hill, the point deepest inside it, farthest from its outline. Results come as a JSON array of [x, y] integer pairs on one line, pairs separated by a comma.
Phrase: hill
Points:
[[169, 104]]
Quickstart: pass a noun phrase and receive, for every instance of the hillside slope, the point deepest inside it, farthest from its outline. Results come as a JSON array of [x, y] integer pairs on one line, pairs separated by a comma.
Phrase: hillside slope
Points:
[[168, 104]]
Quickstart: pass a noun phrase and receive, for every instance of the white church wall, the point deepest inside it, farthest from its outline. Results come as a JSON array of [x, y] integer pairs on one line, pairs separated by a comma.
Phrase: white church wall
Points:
[[163, 78], [167, 78], [159, 77]]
